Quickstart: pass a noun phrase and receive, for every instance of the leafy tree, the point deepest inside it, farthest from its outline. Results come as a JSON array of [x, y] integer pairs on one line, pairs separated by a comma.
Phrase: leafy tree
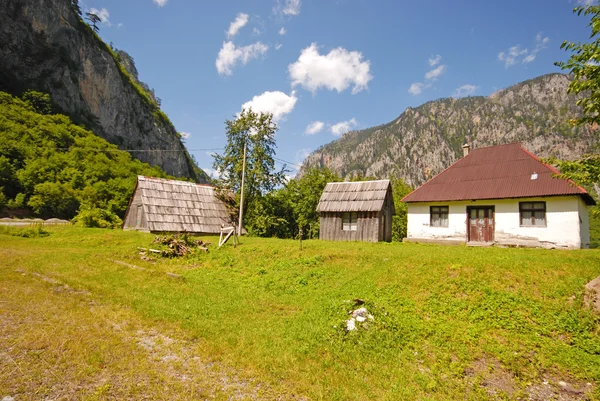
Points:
[[257, 131], [399, 222], [58, 169], [40, 101], [94, 19], [2, 199], [304, 193], [584, 65]]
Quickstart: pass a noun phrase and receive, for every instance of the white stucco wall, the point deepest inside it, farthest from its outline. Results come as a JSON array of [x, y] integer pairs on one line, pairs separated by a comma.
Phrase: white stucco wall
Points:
[[567, 224]]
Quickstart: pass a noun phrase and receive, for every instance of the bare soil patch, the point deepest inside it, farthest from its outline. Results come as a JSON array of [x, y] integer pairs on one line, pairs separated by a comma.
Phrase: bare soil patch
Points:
[[59, 343]]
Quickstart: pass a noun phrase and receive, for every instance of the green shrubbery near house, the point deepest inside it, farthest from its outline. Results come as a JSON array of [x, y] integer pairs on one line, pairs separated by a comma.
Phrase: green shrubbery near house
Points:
[[55, 168]]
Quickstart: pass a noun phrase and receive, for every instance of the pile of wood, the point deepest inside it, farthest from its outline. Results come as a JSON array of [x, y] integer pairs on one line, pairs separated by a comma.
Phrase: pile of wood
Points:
[[177, 245]]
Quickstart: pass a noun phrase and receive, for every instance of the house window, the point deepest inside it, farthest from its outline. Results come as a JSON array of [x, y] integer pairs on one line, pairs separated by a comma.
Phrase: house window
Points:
[[349, 221], [533, 214], [438, 216]]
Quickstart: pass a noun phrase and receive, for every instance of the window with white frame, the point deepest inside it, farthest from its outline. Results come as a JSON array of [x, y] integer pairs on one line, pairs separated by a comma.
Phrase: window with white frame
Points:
[[438, 216], [532, 214], [349, 221]]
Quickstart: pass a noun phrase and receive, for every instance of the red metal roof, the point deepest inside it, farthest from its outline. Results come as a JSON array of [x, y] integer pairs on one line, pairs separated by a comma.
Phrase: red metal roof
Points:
[[496, 172]]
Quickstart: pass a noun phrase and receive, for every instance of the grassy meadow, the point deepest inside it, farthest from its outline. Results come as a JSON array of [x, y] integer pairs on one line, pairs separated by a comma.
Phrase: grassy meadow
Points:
[[82, 316]]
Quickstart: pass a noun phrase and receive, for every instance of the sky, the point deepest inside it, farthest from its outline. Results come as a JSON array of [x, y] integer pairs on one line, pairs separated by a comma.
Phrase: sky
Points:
[[324, 67]]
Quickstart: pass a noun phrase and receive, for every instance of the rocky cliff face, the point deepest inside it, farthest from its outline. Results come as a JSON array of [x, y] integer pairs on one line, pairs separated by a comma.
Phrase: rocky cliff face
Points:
[[45, 46], [425, 140]]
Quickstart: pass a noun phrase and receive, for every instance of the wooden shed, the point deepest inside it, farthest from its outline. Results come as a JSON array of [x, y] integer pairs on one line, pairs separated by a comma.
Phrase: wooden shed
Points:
[[356, 211], [161, 205]]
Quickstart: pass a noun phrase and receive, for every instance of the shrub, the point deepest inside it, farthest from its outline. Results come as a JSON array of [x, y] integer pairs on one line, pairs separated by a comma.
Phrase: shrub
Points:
[[97, 218]]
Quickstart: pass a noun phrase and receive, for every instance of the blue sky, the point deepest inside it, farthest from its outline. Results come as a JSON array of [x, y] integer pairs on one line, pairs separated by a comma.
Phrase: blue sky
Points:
[[324, 67]]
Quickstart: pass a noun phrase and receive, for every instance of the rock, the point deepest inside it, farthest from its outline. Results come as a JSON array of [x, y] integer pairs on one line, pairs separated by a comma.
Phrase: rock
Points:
[[362, 312], [562, 383], [79, 72], [360, 319], [425, 140], [351, 324], [8, 398], [591, 297]]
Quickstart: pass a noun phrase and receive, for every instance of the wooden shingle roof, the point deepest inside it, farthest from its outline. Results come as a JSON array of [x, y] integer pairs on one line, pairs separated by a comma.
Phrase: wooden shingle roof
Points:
[[180, 206], [361, 196], [496, 172]]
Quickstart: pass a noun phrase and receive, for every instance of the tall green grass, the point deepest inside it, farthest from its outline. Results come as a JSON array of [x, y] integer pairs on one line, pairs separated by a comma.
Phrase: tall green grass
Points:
[[278, 313]]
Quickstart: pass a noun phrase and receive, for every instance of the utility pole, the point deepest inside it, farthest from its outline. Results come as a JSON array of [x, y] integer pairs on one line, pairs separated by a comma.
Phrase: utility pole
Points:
[[242, 193]]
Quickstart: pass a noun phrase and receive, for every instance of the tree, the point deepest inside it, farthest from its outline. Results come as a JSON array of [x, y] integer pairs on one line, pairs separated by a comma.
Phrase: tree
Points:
[[94, 19], [257, 131], [584, 66], [399, 222], [75, 6], [304, 194]]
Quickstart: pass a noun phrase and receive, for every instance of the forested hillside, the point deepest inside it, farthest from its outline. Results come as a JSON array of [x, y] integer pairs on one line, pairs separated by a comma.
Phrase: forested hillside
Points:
[[46, 46], [52, 167], [424, 140]]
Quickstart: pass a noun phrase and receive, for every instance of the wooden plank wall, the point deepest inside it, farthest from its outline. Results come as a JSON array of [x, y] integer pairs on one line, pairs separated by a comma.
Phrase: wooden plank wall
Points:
[[371, 226], [131, 218], [367, 227]]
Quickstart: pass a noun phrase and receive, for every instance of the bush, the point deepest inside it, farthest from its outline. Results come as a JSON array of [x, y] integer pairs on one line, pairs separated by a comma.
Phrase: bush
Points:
[[97, 218]]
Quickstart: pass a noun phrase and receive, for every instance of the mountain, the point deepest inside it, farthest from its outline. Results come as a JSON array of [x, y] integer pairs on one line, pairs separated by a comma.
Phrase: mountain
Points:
[[424, 140], [47, 47]]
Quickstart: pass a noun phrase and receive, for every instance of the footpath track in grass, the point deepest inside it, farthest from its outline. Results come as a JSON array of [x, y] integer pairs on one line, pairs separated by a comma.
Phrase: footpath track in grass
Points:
[[268, 321]]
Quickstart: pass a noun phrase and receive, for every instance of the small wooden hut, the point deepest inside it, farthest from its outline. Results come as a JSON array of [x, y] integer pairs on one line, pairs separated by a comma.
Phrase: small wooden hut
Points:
[[356, 211], [161, 205]]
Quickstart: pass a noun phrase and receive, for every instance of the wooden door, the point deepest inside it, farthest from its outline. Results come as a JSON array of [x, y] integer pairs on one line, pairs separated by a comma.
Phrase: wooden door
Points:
[[480, 223]]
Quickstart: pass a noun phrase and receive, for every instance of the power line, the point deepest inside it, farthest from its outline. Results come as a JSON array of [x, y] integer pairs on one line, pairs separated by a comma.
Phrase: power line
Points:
[[130, 150], [285, 161]]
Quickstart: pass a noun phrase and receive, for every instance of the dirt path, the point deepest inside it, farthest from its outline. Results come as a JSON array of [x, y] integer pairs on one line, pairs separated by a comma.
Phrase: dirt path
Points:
[[60, 343]]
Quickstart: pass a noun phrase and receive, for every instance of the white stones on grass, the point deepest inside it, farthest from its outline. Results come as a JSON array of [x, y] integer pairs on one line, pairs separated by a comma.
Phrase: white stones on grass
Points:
[[360, 315]]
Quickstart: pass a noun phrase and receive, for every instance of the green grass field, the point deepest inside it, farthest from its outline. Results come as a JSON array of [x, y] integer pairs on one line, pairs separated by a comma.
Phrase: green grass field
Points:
[[83, 317]]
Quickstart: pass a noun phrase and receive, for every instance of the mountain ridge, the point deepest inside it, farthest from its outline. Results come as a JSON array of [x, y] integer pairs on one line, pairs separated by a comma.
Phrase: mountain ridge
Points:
[[47, 47], [424, 140]]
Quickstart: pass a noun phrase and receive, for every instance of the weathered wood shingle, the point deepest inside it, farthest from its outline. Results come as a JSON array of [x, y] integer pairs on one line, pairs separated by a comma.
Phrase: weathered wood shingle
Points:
[[361, 196], [176, 206]]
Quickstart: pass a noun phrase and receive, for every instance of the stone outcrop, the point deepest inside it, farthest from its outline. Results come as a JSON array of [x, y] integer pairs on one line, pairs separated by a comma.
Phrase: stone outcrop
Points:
[[45, 46], [424, 140]]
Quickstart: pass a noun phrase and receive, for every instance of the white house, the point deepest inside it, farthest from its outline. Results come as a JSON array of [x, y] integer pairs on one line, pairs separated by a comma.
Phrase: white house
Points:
[[500, 195]]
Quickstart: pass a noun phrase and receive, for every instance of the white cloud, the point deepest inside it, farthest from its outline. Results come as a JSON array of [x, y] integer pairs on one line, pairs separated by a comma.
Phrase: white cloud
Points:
[[343, 127], [215, 174], [435, 60], [314, 127], [465, 90], [230, 55], [516, 54], [541, 42], [336, 70], [103, 14], [416, 88], [289, 7], [277, 103], [282, 31], [586, 2], [240, 21], [511, 57], [278, 46], [160, 3], [119, 25], [435, 73], [185, 135]]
